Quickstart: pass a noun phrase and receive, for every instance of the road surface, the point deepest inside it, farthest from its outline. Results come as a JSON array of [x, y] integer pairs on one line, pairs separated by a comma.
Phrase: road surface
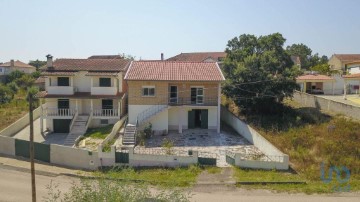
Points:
[[15, 186]]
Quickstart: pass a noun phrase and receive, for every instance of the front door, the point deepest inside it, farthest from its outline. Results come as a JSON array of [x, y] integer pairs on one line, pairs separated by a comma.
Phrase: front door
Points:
[[63, 106], [198, 118], [107, 106], [173, 94]]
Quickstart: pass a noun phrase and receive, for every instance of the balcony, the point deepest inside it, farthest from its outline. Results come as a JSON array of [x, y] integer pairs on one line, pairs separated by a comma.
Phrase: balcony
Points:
[[106, 113], [58, 112], [103, 90], [60, 90], [199, 101]]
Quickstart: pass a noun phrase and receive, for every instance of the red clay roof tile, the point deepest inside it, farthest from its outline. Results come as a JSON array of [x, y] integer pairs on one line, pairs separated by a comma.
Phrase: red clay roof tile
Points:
[[174, 71]]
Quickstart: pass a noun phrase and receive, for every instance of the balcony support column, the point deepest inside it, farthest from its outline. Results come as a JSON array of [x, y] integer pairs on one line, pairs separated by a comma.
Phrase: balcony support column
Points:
[[91, 107], [42, 119], [180, 112], [119, 107]]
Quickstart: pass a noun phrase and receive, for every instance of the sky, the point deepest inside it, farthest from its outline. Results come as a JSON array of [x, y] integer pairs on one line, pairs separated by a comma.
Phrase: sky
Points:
[[145, 29]]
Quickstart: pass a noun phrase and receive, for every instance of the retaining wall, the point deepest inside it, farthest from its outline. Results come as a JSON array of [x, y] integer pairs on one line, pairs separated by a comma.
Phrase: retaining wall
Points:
[[314, 101], [7, 145], [257, 140], [73, 157], [20, 124]]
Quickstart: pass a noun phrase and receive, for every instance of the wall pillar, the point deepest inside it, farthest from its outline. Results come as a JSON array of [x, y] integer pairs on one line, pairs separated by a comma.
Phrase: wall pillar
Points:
[[41, 119], [218, 108], [345, 84], [304, 88], [180, 112], [332, 88]]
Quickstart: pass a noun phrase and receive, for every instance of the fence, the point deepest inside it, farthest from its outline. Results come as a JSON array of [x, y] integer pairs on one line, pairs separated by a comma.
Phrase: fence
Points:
[[326, 104], [269, 150], [20, 124], [155, 160]]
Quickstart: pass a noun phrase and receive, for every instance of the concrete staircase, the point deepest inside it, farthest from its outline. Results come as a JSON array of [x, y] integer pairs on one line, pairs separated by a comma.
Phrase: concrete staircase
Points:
[[129, 135], [79, 128]]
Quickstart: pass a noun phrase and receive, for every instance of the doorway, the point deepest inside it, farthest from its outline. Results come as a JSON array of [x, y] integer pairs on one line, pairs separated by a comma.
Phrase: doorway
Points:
[[198, 118]]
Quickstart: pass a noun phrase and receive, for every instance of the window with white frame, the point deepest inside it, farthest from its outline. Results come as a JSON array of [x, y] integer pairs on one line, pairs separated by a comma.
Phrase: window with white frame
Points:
[[197, 95], [148, 91]]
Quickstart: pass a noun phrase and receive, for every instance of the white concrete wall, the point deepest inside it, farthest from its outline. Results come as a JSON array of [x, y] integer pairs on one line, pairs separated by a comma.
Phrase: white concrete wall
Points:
[[103, 90], [159, 121], [149, 160], [81, 82], [258, 164], [250, 134], [7, 145], [175, 113], [73, 157], [60, 90], [20, 124]]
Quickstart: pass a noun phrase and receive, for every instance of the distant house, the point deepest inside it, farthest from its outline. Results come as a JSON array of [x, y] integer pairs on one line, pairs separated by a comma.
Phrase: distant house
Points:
[[199, 57], [314, 83], [342, 61], [8, 67], [106, 57], [353, 67]]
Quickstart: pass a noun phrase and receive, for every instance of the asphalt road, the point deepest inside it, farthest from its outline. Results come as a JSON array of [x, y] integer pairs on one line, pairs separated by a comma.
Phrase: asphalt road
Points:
[[15, 186]]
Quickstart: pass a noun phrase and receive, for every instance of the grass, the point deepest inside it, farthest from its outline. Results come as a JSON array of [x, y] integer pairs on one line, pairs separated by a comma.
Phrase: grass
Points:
[[15, 109], [310, 137], [213, 170], [177, 177], [99, 133]]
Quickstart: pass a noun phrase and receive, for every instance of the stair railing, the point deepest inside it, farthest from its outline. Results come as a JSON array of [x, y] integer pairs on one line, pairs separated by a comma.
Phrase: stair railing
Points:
[[73, 119]]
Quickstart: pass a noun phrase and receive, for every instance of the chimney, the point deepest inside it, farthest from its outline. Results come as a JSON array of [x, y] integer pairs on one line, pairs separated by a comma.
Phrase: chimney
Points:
[[162, 56], [12, 63], [49, 62]]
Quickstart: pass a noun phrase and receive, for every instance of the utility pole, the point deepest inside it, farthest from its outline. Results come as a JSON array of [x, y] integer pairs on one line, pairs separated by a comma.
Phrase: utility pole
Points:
[[33, 188]]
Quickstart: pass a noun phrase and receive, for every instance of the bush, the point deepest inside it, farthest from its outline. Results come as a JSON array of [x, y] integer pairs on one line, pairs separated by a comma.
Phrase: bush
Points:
[[148, 130], [13, 87], [168, 145], [6, 94], [105, 190]]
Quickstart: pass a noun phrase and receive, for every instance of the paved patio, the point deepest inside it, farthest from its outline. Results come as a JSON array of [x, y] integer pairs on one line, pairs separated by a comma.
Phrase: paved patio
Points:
[[47, 138], [207, 142]]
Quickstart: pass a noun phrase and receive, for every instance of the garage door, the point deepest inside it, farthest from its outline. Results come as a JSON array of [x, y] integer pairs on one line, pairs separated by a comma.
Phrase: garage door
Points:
[[61, 125]]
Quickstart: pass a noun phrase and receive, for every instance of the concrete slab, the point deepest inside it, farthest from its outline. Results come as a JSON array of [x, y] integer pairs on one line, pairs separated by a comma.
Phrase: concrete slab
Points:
[[351, 99], [47, 138], [207, 142]]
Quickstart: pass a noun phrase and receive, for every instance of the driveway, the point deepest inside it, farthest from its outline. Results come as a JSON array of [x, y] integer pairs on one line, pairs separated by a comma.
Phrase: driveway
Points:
[[47, 138], [207, 142]]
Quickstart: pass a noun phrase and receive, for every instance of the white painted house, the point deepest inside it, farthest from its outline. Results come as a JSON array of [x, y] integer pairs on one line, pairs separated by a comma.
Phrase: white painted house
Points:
[[8, 67], [82, 93]]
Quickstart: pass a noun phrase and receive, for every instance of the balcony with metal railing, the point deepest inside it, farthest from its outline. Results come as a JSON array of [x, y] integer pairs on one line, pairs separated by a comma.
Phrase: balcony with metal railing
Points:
[[194, 101]]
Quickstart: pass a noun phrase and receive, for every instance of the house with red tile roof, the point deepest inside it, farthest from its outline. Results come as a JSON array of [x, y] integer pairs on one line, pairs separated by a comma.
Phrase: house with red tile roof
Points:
[[314, 83], [343, 61], [8, 67], [199, 57], [173, 95], [81, 94]]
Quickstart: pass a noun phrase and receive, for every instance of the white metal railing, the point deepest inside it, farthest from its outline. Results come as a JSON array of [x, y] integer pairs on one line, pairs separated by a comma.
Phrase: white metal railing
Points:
[[148, 113], [59, 111], [73, 119], [106, 112]]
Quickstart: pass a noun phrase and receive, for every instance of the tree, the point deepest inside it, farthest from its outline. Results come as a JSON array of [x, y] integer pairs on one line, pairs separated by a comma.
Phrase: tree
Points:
[[37, 63], [259, 72], [324, 69], [36, 74], [14, 75], [305, 53], [13, 87], [25, 81]]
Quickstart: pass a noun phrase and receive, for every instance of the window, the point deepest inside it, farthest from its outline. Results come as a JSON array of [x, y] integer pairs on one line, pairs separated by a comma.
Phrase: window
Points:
[[63, 81], [148, 91], [105, 82], [197, 95], [104, 121]]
